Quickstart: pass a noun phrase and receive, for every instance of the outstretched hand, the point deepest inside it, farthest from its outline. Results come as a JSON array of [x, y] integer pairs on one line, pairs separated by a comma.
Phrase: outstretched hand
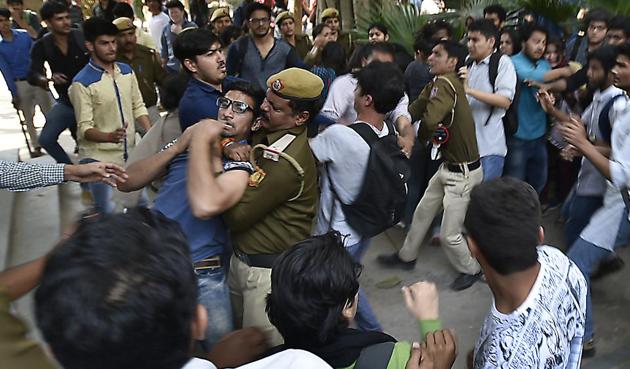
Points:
[[107, 173]]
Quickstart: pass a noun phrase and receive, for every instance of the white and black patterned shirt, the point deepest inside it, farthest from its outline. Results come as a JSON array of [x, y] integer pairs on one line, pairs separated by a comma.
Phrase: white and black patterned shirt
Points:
[[26, 176], [546, 331]]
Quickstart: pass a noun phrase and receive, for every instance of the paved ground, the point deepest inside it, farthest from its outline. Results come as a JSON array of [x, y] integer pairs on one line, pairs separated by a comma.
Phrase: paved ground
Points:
[[38, 216]]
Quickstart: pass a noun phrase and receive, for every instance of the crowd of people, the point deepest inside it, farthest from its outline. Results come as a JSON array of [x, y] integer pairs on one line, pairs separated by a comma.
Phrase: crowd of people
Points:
[[237, 169]]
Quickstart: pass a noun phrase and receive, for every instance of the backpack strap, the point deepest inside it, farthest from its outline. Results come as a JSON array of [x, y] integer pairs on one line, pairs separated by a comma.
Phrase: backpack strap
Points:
[[366, 132], [493, 73], [576, 45], [241, 50], [605, 126], [375, 356]]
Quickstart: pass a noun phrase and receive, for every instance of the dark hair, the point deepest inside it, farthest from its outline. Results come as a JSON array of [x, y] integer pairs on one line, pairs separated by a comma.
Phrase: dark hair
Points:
[[597, 15], [620, 22], [318, 29], [96, 26], [230, 32], [119, 299], [174, 4], [557, 42], [250, 89], [312, 106], [4, 12], [504, 219], [384, 82], [454, 50], [607, 56], [251, 8], [366, 50], [379, 26], [122, 9], [420, 44], [441, 24], [173, 90], [624, 50], [15, 2], [334, 56], [496, 9], [516, 40], [527, 31], [51, 8], [193, 42], [311, 283], [487, 28]]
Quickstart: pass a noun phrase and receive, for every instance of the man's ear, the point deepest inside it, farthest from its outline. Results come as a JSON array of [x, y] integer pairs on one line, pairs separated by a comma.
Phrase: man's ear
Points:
[[541, 235], [302, 117], [199, 323], [348, 311], [190, 65], [89, 46]]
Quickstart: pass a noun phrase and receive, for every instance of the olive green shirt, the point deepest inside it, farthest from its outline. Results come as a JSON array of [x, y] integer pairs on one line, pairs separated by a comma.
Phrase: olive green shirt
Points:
[[265, 221], [434, 106], [149, 72], [302, 45]]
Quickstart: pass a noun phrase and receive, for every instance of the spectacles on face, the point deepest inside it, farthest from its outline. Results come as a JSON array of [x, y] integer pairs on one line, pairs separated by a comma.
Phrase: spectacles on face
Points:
[[259, 20], [238, 107]]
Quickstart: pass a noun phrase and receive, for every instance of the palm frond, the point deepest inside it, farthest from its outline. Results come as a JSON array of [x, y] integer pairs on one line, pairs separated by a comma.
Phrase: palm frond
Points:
[[616, 7], [557, 11]]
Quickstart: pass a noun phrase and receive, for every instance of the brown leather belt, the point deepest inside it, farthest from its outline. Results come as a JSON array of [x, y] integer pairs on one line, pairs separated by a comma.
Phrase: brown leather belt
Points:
[[212, 262]]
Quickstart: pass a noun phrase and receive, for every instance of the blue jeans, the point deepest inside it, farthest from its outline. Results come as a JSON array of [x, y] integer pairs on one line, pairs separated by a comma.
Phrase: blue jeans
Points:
[[101, 192], [366, 319], [527, 160], [214, 295], [492, 166], [58, 119], [577, 211], [623, 236], [586, 257]]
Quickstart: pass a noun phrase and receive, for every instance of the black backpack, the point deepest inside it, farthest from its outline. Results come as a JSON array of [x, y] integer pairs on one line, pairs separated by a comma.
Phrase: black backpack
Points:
[[605, 128], [510, 119], [381, 200]]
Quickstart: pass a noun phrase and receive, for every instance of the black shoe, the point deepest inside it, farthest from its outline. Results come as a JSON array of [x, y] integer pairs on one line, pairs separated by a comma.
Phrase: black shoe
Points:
[[463, 281], [608, 266], [394, 261], [588, 348]]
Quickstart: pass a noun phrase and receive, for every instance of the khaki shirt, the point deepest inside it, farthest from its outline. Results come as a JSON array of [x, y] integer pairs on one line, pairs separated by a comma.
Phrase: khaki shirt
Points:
[[302, 46], [149, 72], [434, 106], [265, 221]]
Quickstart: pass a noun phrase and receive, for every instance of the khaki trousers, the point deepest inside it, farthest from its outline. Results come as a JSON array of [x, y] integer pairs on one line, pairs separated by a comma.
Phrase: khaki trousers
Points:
[[249, 287], [29, 97], [450, 190]]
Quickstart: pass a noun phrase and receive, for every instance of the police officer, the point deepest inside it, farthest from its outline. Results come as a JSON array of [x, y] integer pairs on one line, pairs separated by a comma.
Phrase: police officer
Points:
[[445, 119], [302, 44], [330, 17], [220, 20], [145, 63], [279, 205]]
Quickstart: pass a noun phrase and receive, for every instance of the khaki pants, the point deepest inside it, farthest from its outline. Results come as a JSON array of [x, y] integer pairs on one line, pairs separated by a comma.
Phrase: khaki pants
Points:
[[450, 190], [249, 287], [29, 97]]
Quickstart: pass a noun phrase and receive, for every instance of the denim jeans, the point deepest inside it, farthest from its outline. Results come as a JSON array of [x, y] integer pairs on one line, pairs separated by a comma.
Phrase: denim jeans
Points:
[[577, 211], [214, 295], [58, 119], [101, 192], [527, 160], [623, 236], [492, 166], [366, 319], [586, 257]]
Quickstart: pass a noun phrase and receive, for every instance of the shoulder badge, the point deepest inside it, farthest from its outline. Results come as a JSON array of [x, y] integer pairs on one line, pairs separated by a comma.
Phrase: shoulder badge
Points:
[[434, 92]]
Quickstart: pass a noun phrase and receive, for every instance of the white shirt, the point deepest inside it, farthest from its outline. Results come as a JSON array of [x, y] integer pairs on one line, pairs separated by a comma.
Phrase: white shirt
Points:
[[491, 136], [156, 27], [284, 359], [546, 331], [346, 155], [339, 105]]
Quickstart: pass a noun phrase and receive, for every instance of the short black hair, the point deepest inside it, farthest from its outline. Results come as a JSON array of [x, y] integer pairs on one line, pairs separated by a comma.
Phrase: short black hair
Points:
[[4, 12], [51, 8], [311, 283], [174, 87], [318, 29], [174, 4], [624, 50], [193, 42], [420, 44], [251, 8], [528, 31], [597, 15], [454, 50], [122, 9], [379, 26], [487, 28], [96, 26], [366, 50], [620, 22], [21, 2], [384, 82], [504, 220], [250, 89], [496, 9], [514, 36], [120, 299], [230, 32], [606, 55], [334, 56], [441, 24]]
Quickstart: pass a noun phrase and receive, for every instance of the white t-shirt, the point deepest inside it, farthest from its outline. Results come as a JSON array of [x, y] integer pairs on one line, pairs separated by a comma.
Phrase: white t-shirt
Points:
[[156, 27], [346, 154], [546, 331], [283, 359]]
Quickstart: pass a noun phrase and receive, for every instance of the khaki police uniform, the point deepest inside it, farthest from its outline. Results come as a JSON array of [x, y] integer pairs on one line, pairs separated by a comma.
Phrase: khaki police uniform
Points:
[[277, 209], [443, 101]]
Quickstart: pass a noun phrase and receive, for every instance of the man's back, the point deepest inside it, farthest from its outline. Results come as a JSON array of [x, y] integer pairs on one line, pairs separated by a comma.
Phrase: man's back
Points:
[[546, 331]]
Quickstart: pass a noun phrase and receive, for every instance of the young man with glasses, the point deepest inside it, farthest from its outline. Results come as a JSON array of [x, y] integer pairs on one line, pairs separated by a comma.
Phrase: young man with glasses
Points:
[[199, 216], [259, 55]]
